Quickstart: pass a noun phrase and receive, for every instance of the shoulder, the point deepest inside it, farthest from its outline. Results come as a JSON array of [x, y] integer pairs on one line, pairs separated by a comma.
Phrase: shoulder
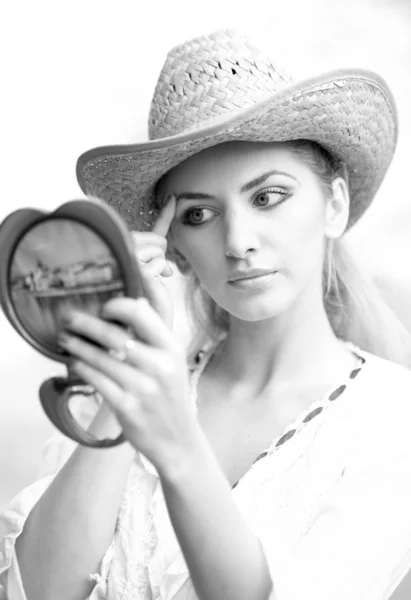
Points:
[[384, 376], [376, 416], [386, 392], [378, 396]]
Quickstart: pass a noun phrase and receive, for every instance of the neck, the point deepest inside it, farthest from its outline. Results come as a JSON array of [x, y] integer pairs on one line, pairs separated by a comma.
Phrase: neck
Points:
[[299, 346]]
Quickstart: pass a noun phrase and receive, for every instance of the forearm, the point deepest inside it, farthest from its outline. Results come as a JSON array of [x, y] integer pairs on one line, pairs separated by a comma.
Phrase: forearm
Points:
[[224, 557], [69, 530]]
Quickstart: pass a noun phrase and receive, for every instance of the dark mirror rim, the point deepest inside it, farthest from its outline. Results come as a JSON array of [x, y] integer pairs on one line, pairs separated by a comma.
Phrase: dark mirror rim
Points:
[[100, 219]]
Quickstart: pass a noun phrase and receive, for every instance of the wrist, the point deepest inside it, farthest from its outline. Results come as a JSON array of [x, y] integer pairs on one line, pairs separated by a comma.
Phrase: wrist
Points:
[[187, 463], [104, 422]]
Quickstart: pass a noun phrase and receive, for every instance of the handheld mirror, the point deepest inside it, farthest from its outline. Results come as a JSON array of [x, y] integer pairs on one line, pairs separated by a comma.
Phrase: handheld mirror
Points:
[[79, 256]]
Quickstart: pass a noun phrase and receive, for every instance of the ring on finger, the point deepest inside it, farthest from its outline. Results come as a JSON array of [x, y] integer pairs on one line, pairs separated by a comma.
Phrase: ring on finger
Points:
[[121, 354]]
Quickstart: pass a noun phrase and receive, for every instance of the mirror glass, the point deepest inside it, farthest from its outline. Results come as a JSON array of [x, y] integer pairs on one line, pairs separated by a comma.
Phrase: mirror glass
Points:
[[58, 264]]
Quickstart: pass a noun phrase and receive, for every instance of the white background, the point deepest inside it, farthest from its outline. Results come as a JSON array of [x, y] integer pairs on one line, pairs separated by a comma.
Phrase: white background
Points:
[[81, 73]]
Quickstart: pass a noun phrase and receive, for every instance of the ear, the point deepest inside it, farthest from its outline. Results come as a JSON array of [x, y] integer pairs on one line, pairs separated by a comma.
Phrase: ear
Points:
[[337, 209]]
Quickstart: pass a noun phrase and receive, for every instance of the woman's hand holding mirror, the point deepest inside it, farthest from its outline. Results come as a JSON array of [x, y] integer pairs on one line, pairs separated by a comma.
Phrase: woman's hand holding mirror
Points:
[[148, 388]]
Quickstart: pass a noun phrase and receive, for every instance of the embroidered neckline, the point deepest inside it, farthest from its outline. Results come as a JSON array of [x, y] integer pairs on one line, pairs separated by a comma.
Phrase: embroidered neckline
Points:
[[317, 407]]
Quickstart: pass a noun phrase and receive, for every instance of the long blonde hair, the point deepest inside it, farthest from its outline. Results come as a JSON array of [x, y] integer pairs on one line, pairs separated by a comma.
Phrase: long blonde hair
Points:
[[353, 303]]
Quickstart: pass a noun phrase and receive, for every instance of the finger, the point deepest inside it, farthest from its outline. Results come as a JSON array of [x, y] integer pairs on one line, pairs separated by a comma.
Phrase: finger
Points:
[[108, 389], [148, 252], [143, 319], [117, 399], [167, 271], [156, 267], [97, 330], [145, 360], [141, 238], [163, 222], [126, 376], [149, 360]]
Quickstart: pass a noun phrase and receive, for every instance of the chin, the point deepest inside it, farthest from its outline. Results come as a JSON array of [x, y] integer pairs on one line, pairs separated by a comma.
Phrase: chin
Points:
[[259, 308]]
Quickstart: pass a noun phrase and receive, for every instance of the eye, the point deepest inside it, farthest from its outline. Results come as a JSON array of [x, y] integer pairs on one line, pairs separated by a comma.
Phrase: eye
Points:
[[269, 197], [197, 216]]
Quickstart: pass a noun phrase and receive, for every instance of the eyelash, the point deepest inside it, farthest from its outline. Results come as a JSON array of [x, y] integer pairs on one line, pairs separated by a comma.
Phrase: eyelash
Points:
[[185, 217]]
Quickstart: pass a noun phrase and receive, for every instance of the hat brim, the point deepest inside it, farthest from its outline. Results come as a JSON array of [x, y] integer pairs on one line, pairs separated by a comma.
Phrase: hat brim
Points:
[[351, 113]]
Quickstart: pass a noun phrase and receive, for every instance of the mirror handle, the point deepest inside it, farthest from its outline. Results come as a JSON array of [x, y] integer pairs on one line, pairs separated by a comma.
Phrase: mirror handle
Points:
[[55, 394]]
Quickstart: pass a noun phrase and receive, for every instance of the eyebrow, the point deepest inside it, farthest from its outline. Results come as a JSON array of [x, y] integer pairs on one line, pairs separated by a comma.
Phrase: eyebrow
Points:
[[246, 187], [254, 182]]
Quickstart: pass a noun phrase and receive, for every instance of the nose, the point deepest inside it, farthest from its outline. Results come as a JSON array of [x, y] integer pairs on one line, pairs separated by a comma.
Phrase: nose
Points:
[[241, 236]]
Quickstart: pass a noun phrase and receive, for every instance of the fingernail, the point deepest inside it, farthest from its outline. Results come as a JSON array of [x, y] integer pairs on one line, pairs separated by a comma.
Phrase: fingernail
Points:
[[169, 271]]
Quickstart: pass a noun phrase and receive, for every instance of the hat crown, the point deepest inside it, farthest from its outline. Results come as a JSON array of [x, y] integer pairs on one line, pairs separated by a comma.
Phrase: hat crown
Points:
[[210, 77]]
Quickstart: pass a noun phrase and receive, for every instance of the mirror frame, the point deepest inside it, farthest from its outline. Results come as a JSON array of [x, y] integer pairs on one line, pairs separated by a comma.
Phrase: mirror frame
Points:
[[101, 219]]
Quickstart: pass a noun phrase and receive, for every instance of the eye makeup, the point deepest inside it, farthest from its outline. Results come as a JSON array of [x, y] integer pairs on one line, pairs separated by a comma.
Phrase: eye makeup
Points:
[[194, 215]]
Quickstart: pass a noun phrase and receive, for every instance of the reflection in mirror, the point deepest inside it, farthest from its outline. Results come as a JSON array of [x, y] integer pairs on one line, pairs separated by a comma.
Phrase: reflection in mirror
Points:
[[60, 264]]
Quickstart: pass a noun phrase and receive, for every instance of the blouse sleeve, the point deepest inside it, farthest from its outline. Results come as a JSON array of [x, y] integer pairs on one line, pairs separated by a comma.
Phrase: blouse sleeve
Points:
[[56, 452], [358, 545]]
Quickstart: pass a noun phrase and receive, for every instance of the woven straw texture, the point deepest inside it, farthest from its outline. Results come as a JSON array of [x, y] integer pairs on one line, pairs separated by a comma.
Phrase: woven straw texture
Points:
[[220, 88]]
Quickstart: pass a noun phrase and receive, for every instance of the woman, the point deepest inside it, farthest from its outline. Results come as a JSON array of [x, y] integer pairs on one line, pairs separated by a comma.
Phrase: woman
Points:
[[276, 465]]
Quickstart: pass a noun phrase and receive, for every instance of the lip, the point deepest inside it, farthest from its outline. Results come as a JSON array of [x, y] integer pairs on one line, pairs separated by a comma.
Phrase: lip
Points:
[[256, 283], [249, 274]]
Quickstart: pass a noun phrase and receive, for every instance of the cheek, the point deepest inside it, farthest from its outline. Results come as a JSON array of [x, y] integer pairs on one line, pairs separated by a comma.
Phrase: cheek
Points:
[[311, 231], [308, 212], [303, 234], [195, 247]]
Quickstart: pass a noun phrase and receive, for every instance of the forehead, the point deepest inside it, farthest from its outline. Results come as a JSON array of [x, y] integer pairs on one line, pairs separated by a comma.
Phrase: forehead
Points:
[[234, 161]]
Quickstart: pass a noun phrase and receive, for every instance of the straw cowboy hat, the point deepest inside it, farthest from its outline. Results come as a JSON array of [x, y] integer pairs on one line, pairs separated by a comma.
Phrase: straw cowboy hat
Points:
[[219, 88]]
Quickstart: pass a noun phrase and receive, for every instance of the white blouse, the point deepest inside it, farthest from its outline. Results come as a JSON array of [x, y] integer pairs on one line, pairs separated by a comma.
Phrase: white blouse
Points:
[[331, 505]]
